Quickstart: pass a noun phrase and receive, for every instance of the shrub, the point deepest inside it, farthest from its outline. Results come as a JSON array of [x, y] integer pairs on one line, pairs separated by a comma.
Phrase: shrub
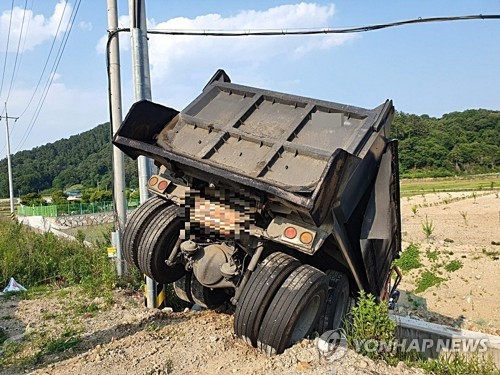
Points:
[[369, 322]]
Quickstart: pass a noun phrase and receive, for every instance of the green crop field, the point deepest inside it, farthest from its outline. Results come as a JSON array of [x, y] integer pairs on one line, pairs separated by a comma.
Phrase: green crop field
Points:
[[469, 183]]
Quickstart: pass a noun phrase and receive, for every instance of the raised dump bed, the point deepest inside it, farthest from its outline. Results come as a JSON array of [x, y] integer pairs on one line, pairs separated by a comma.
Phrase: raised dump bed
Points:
[[314, 179]]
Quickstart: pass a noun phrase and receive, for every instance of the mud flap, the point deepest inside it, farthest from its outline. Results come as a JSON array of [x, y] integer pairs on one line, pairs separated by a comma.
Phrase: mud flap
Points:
[[380, 239]]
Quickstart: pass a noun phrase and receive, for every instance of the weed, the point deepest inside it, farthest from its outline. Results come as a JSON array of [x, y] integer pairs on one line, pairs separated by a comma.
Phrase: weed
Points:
[[459, 364], [464, 216], [414, 209], [49, 315], [152, 327], [481, 322], [495, 243], [66, 341], [9, 352], [427, 227], [449, 240], [454, 265], [474, 195], [86, 308], [426, 280], [3, 336], [432, 255], [409, 259], [369, 322], [492, 254]]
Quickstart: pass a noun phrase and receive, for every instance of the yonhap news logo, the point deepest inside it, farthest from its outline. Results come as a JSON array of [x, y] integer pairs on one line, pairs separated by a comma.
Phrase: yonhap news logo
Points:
[[333, 345]]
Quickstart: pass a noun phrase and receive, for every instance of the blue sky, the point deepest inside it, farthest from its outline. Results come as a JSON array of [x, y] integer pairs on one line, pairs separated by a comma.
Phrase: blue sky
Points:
[[426, 69]]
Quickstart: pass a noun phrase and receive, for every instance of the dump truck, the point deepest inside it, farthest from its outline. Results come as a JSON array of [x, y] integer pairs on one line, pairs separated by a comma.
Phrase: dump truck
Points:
[[281, 205]]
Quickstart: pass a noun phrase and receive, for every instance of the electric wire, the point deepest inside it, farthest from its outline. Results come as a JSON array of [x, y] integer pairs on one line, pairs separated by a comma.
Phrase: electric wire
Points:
[[6, 49], [349, 30], [280, 32], [48, 84], [17, 51], [46, 61]]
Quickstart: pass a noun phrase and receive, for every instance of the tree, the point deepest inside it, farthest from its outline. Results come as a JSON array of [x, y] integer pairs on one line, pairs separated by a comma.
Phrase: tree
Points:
[[32, 199], [58, 197]]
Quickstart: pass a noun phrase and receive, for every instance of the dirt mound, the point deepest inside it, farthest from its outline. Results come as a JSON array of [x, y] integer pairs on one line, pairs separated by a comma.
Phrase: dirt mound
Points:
[[126, 338]]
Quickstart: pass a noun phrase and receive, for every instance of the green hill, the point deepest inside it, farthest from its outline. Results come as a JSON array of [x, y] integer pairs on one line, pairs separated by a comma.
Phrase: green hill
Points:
[[465, 142], [458, 143], [84, 159]]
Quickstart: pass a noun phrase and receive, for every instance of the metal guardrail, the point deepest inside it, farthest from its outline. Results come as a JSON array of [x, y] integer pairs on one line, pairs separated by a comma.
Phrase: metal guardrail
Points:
[[71, 208]]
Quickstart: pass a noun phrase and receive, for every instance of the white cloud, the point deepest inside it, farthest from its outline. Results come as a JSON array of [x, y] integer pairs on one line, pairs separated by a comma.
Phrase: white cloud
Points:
[[39, 27], [171, 54], [85, 26]]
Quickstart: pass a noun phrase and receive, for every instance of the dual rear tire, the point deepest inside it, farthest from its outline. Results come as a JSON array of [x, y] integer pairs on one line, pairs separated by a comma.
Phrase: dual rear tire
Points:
[[281, 303], [149, 238]]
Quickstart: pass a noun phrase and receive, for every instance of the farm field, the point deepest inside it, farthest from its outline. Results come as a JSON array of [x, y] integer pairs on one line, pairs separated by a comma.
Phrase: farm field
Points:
[[453, 258]]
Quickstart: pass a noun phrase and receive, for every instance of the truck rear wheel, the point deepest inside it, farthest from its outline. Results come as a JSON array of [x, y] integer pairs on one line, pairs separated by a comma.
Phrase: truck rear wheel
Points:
[[189, 289], [157, 242], [257, 295], [337, 302], [294, 310], [137, 223], [207, 297], [182, 288]]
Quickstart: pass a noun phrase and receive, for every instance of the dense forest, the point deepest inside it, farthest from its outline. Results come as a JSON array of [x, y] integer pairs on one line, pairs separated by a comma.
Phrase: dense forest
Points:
[[84, 159], [457, 143]]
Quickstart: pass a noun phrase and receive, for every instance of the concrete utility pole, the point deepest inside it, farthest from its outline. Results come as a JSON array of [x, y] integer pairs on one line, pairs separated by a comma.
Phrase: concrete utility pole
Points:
[[142, 86], [142, 81], [115, 100], [9, 166]]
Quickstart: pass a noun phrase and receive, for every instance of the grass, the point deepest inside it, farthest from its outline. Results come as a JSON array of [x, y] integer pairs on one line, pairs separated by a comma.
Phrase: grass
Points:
[[459, 364], [369, 323], [93, 234], [412, 187], [427, 280], [409, 259], [432, 255], [35, 259], [69, 339], [454, 265]]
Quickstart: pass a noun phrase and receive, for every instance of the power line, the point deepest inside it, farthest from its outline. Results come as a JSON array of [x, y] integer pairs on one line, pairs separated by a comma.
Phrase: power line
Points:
[[349, 30], [17, 51], [250, 32], [7, 48], [46, 61], [45, 92]]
